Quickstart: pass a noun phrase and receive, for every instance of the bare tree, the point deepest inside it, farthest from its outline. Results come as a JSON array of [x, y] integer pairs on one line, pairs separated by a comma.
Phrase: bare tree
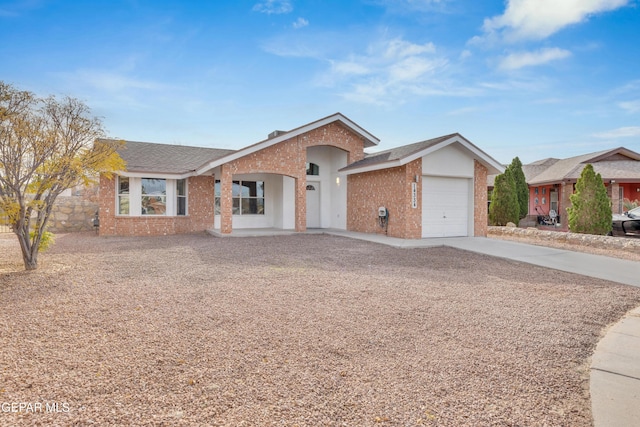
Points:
[[46, 146]]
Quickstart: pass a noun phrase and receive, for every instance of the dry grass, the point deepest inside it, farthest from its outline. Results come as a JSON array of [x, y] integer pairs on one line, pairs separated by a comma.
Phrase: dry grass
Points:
[[305, 330]]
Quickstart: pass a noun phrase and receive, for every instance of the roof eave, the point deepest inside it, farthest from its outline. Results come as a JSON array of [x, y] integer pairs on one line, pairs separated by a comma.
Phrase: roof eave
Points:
[[620, 150], [156, 174], [371, 167]]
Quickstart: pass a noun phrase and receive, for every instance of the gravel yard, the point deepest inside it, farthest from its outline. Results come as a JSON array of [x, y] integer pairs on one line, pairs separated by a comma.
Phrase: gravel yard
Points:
[[306, 330]]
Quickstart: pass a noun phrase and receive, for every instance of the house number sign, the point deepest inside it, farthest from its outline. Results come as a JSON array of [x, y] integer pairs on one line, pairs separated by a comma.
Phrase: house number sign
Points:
[[414, 195]]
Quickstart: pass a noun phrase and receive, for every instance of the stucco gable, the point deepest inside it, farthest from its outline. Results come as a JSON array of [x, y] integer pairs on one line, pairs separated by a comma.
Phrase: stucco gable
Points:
[[407, 153]]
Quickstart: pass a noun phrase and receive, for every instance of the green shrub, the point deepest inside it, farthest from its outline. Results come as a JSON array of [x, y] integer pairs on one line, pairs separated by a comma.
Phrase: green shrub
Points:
[[504, 205], [590, 210], [522, 189]]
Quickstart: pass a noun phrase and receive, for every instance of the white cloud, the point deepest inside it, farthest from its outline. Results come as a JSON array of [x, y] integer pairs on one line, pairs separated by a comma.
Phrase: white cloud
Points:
[[623, 132], [538, 19], [518, 60], [116, 82], [412, 68], [297, 47], [369, 92], [398, 48], [632, 86], [465, 54], [630, 106], [275, 7], [537, 83], [388, 71], [349, 68], [300, 23]]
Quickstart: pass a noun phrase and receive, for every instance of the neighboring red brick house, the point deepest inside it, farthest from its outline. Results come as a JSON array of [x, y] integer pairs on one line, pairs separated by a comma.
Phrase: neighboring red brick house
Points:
[[314, 176], [551, 181]]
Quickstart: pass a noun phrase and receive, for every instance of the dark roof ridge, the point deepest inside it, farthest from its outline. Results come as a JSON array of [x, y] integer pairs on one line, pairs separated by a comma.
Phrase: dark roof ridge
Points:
[[163, 144], [418, 144]]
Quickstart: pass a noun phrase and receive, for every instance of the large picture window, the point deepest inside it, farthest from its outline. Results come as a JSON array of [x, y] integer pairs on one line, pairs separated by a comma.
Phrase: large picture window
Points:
[[154, 196], [248, 197], [151, 196]]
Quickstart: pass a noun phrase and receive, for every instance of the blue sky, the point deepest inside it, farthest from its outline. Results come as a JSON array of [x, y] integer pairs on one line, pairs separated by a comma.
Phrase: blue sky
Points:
[[527, 78]]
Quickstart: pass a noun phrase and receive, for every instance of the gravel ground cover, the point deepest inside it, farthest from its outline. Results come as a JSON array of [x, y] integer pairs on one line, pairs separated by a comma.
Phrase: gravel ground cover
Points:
[[306, 330]]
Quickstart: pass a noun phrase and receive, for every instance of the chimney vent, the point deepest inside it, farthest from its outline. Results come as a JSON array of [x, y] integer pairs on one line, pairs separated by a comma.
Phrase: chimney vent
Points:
[[276, 133]]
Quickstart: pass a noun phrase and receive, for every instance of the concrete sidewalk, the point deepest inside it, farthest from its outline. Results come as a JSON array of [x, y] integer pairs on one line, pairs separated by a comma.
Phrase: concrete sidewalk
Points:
[[615, 375]]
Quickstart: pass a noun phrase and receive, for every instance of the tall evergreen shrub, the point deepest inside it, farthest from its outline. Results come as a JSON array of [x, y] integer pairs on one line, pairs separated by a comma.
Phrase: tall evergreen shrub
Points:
[[522, 189], [590, 210], [504, 206]]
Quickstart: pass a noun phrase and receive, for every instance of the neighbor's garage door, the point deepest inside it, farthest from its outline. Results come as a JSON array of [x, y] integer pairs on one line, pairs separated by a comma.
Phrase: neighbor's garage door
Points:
[[445, 207]]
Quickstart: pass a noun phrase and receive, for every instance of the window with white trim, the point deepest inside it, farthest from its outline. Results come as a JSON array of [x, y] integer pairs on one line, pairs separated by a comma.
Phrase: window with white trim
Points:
[[123, 195], [154, 196], [149, 196], [181, 197], [247, 197]]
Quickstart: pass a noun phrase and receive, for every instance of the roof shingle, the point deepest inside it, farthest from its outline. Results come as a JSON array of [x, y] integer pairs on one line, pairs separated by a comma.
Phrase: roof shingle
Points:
[[165, 158], [397, 153]]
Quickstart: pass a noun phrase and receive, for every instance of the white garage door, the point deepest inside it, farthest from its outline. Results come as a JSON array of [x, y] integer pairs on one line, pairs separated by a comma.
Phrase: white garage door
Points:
[[445, 207]]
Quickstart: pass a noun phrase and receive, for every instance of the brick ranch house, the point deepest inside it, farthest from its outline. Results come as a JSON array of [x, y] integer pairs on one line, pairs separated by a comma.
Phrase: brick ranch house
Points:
[[314, 176], [551, 181]]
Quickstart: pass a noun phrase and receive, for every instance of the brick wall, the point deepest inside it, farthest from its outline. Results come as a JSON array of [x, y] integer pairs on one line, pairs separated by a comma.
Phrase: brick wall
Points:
[[391, 188], [480, 199], [200, 218], [287, 158]]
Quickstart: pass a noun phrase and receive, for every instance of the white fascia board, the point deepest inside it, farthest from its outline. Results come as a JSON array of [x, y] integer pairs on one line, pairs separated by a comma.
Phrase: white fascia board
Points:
[[158, 175], [373, 167], [356, 128], [292, 134], [478, 154]]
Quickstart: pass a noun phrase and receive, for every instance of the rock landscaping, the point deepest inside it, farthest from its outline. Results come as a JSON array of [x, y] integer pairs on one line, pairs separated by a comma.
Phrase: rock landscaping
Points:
[[305, 330]]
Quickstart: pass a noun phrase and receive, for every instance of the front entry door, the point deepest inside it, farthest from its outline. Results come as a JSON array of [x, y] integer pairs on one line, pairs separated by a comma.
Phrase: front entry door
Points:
[[313, 204]]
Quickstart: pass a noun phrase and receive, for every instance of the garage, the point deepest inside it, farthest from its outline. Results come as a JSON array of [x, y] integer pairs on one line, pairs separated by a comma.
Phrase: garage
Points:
[[445, 206]]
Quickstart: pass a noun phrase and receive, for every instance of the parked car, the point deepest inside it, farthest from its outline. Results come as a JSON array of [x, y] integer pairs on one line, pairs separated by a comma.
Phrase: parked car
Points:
[[627, 224]]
